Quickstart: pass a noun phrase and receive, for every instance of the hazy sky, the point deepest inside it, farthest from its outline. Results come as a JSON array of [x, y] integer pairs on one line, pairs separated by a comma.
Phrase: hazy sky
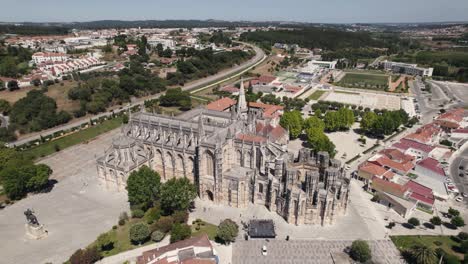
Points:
[[326, 11]]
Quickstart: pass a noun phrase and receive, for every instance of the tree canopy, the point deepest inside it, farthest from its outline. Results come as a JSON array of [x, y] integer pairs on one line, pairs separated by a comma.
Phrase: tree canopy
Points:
[[292, 121], [227, 231], [177, 194], [143, 186], [360, 251]]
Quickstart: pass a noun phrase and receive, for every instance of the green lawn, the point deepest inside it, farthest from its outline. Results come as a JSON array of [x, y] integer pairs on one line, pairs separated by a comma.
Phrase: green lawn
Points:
[[73, 139], [316, 95], [204, 228], [406, 242], [121, 237], [364, 80]]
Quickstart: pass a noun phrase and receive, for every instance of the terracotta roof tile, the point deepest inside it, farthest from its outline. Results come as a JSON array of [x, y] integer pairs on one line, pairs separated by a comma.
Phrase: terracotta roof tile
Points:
[[221, 104]]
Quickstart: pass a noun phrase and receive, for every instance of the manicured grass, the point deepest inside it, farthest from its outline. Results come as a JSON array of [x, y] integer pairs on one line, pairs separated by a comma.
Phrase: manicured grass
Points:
[[73, 139], [204, 228], [364, 80], [121, 238], [316, 95], [406, 242]]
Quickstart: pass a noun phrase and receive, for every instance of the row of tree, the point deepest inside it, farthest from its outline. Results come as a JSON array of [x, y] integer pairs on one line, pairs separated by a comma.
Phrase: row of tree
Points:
[[384, 123]]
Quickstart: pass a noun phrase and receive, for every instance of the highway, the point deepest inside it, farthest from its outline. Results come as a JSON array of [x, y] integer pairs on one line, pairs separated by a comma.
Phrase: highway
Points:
[[195, 85]]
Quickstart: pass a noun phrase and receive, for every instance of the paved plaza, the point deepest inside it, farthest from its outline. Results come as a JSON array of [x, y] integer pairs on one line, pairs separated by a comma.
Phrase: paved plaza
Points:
[[308, 251], [365, 99], [362, 220], [75, 212]]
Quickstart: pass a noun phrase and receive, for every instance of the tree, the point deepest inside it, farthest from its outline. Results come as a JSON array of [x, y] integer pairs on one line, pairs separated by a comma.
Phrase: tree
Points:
[[457, 221], [436, 220], [314, 122], [139, 233], [143, 186], [85, 256], [5, 106], [319, 141], [167, 53], [464, 246], [12, 85], [368, 120], [453, 212], [180, 232], [177, 194], [423, 254], [227, 231], [292, 121], [105, 242], [463, 236], [413, 221], [360, 251]]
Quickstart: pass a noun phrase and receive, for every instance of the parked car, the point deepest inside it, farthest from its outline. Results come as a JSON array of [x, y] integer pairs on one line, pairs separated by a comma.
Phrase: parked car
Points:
[[459, 199], [264, 250], [464, 194]]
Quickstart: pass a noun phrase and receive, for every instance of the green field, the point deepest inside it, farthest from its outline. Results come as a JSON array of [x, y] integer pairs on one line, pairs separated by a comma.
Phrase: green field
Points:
[[316, 95], [73, 139], [445, 242], [364, 80]]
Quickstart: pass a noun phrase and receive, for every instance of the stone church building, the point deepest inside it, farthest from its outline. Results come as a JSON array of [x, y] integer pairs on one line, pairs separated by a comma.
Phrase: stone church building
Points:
[[235, 153]]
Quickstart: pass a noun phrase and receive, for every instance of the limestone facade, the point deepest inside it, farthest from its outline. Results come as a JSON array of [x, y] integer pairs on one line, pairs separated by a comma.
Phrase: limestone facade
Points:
[[234, 158]]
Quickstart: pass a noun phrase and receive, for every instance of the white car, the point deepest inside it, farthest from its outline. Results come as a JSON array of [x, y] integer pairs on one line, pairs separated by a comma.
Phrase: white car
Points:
[[459, 199], [264, 250], [464, 195], [448, 180]]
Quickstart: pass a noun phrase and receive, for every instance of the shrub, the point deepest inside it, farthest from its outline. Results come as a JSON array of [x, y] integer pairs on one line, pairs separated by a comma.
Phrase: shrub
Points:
[[457, 221], [85, 256], [436, 220], [164, 224], [123, 216], [114, 227], [227, 231], [453, 212], [463, 236], [105, 242], [375, 198], [157, 236], [464, 246], [153, 214], [121, 222], [180, 217], [180, 232], [138, 213], [139, 233], [413, 221], [360, 251]]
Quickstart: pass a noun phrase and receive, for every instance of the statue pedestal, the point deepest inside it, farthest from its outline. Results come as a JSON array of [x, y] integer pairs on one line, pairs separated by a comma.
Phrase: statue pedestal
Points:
[[36, 232]]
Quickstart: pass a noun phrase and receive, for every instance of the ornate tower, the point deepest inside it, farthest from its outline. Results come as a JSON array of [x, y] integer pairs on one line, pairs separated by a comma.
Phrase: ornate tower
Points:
[[241, 102]]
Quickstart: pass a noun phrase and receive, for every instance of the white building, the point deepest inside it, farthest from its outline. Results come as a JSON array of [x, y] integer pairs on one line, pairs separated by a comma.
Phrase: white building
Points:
[[406, 68], [324, 64], [40, 57]]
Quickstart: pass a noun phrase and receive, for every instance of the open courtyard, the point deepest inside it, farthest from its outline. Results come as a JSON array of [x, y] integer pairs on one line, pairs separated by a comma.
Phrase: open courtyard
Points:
[[74, 212], [365, 99]]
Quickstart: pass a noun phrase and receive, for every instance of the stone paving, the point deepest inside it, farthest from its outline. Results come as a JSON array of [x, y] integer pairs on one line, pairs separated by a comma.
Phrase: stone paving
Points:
[[75, 212], [362, 219], [307, 251]]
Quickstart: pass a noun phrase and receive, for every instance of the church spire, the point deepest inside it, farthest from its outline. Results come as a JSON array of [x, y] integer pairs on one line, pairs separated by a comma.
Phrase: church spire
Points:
[[241, 102], [201, 129]]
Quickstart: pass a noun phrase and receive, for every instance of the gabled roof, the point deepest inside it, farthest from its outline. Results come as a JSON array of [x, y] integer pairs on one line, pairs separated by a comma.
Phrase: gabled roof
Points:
[[199, 241], [270, 131], [406, 144], [432, 165], [420, 192], [396, 155], [424, 134], [266, 78], [268, 110], [388, 187], [404, 166], [221, 104], [251, 138]]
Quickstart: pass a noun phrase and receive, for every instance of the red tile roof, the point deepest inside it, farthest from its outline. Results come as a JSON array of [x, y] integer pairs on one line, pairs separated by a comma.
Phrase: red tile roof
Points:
[[270, 131], [221, 104], [396, 155], [230, 89], [404, 166], [420, 192], [425, 133], [433, 165], [268, 110], [463, 130], [266, 78], [388, 187], [405, 144], [251, 138], [455, 115]]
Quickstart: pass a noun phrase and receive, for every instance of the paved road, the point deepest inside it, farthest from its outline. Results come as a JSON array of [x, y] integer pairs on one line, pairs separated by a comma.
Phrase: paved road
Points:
[[460, 161], [208, 81]]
